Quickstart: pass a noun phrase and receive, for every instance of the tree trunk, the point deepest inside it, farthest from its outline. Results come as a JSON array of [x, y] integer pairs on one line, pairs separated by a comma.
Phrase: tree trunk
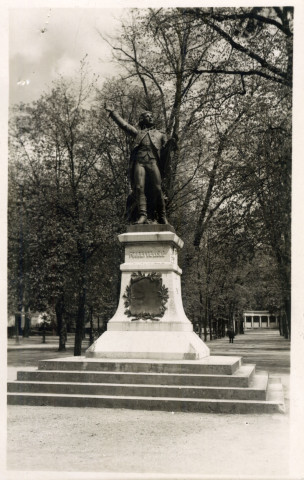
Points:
[[43, 332], [27, 325], [284, 272], [208, 316], [202, 319], [223, 328], [206, 319], [208, 300], [91, 326], [205, 329], [80, 320], [61, 323], [280, 325], [80, 323], [17, 323], [210, 328], [288, 317], [286, 320], [200, 327]]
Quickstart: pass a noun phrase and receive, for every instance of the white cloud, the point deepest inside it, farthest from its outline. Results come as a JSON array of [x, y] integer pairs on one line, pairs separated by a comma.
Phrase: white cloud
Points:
[[45, 43], [66, 66], [25, 35]]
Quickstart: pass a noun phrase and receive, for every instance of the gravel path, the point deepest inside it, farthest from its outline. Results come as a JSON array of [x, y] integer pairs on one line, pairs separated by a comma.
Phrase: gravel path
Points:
[[106, 440], [137, 442]]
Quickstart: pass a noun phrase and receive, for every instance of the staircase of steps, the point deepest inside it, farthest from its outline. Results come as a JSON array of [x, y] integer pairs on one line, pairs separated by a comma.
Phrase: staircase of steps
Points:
[[215, 384]]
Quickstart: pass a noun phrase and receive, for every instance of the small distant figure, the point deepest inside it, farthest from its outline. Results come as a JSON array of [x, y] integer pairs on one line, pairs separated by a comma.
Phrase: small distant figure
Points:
[[231, 335]]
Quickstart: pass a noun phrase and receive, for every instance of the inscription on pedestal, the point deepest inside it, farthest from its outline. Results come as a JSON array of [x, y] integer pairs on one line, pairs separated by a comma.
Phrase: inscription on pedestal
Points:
[[147, 254], [146, 296]]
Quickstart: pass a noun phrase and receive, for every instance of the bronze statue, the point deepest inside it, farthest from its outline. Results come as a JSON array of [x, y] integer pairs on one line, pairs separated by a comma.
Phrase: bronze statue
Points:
[[145, 168]]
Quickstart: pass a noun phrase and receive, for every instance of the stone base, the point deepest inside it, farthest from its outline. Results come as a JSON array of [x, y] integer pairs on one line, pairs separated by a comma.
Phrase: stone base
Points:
[[136, 331], [215, 384], [157, 345]]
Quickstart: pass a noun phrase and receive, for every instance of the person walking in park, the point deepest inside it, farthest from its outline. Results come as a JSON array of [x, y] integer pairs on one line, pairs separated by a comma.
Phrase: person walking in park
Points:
[[231, 335]]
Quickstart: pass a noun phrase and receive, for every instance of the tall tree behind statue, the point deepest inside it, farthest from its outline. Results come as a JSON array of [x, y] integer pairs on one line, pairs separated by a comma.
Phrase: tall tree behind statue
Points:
[[211, 73]]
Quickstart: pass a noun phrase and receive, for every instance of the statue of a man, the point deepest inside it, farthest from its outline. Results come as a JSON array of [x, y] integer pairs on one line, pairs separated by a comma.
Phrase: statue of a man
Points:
[[145, 166]]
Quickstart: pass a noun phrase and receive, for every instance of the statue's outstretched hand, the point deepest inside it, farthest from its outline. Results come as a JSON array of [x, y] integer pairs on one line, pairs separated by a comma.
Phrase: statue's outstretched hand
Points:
[[108, 107]]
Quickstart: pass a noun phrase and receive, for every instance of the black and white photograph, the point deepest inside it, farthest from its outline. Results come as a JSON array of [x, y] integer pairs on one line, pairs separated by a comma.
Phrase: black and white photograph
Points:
[[151, 217]]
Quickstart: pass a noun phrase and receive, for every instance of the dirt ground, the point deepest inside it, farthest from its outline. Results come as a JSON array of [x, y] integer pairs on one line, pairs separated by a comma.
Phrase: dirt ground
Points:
[[106, 440], [119, 441]]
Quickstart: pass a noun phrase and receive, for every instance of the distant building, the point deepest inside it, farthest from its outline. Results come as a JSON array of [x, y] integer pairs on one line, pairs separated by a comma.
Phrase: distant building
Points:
[[260, 319]]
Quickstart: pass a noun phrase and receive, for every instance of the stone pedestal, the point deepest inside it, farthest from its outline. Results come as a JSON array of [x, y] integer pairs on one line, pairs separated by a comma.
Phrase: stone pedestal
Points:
[[150, 322]]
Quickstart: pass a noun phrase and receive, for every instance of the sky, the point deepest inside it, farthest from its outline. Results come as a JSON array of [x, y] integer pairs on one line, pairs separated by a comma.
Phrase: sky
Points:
[[47, 42]]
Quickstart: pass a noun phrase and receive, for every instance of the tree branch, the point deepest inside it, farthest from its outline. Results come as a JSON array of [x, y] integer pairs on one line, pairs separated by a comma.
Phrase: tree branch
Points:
[[261, 18], [242, 73], [239, 47]]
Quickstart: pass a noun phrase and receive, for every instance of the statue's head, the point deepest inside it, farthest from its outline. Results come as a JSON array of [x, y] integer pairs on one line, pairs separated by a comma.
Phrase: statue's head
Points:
[[146, 119]]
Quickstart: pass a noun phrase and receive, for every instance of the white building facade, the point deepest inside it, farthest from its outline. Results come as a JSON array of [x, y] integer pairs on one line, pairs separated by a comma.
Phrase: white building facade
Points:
[[260, 319]]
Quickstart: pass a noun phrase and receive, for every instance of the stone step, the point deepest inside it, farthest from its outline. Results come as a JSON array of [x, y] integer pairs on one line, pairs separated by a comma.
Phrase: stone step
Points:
[[275, 390], [257, 391], [274, 402], [212, 365], [241, 378]]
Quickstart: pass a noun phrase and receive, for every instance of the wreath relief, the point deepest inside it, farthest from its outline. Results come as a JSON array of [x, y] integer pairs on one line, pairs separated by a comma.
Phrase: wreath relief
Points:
[[146, 297]]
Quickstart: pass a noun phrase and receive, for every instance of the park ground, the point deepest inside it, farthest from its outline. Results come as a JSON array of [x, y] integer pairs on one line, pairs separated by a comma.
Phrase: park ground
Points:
[[119, 443]]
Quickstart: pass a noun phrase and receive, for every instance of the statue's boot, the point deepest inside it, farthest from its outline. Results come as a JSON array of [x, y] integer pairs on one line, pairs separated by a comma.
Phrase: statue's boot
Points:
[[142, 208], [142, 219], [161, 209], [163, 220]]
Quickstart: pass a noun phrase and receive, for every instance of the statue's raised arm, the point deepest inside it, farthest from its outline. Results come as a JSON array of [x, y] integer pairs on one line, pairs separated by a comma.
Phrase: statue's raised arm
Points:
[[145, 168], [120, 121]]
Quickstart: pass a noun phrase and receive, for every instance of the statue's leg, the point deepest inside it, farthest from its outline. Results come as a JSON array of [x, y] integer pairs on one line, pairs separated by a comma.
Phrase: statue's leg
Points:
[[155, 179], [151, 209], [139, 187]]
